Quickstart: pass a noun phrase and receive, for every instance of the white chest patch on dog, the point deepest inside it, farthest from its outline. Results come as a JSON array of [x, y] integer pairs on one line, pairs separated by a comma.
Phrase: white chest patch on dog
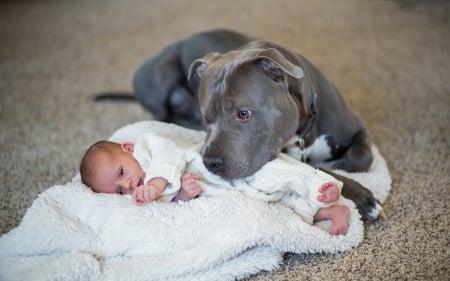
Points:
[[318, 151]]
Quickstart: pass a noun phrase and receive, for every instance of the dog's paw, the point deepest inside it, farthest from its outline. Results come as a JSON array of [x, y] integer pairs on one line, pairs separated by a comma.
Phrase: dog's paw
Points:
[[371, 212], [368, 206]]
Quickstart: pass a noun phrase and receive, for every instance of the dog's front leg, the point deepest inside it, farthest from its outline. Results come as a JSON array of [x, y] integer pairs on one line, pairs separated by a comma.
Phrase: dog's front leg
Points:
[[358, 156], [364, 199]]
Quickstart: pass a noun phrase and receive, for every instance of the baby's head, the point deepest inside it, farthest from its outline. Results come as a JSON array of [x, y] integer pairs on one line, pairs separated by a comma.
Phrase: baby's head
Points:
[[110, 167]]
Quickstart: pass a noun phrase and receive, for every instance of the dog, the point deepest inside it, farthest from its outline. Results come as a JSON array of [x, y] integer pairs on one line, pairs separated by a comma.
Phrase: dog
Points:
[[256, 99]]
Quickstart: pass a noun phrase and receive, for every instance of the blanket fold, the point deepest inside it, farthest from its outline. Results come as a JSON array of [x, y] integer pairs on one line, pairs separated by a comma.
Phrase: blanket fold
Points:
[[72, 233]]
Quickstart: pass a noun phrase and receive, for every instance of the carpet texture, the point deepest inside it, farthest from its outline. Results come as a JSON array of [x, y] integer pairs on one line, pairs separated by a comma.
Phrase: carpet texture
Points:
[[390, 59]]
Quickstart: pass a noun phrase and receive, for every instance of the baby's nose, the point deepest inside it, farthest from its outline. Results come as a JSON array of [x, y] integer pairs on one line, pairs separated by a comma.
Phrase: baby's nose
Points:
[[127, 184]]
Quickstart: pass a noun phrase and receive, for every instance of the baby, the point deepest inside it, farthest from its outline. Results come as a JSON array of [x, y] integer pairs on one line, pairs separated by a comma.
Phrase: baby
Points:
[[153, 168], [109, 167]]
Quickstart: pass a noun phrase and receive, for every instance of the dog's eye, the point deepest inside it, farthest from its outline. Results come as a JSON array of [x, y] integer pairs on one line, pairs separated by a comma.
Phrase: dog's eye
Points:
[[244, 114]]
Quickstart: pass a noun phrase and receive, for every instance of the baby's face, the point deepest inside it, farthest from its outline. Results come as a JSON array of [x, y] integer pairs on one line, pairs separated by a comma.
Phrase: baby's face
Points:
[[117, 173]]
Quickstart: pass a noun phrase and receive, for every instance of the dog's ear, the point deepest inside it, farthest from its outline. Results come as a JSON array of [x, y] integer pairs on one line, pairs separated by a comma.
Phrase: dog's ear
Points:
[[276, 64], [198, 66]]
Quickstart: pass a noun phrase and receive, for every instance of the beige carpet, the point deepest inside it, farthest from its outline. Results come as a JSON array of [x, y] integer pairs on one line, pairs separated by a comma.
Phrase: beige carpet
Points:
[[390, 59]]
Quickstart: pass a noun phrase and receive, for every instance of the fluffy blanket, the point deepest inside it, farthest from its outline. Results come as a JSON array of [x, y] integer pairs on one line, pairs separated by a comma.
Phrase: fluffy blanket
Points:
[[71, 233]]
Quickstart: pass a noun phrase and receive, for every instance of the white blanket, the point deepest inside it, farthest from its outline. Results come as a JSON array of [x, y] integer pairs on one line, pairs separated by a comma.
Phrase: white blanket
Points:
[[72, 233]]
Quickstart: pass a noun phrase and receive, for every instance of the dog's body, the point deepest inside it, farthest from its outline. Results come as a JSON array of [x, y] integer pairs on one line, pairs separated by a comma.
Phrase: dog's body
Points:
[[255, 99]]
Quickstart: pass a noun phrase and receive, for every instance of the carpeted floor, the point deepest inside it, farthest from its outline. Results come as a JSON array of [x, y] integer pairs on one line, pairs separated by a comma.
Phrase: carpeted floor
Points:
[[390, 59]]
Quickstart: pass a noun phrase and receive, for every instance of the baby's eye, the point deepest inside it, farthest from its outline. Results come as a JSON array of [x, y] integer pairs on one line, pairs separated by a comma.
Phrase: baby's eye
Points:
[[120, 191], [121, 172]]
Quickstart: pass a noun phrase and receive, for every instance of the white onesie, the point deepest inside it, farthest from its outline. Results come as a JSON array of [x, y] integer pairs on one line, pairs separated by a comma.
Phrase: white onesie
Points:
[[284, 180]]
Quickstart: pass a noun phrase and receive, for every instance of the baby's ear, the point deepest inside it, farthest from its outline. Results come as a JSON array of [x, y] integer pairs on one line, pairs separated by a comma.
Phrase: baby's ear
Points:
[[127, 147]]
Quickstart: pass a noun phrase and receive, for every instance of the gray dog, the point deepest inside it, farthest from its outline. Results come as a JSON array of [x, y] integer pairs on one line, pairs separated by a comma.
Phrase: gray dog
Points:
[[255, 99]]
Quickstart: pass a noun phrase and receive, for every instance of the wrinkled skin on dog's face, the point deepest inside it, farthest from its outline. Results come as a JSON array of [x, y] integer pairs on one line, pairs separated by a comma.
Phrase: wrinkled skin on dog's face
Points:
[[240, 98]]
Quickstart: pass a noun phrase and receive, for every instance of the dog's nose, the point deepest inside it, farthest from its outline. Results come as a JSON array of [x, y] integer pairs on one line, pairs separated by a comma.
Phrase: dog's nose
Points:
[[213, 163]]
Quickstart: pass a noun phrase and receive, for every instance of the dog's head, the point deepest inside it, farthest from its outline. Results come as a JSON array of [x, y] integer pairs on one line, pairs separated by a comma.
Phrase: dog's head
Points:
[[247, 108]]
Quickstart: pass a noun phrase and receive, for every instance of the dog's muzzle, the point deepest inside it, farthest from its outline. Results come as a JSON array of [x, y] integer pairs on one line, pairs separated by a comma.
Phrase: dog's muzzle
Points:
[[214, 164]]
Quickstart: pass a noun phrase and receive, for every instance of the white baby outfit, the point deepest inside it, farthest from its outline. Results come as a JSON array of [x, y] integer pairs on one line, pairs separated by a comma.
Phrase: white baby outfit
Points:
[[284, 180]]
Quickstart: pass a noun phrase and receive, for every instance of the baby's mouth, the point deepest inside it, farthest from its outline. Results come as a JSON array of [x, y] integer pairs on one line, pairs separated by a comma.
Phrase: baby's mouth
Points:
[[141, 182]]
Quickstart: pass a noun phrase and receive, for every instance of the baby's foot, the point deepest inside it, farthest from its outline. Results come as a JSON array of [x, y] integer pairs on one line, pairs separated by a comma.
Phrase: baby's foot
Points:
[[340, 219], [329, 192]]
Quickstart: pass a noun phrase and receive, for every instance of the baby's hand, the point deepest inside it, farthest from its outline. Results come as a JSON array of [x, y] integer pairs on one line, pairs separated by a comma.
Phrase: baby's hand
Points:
[[189, 188], [145, 193]]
